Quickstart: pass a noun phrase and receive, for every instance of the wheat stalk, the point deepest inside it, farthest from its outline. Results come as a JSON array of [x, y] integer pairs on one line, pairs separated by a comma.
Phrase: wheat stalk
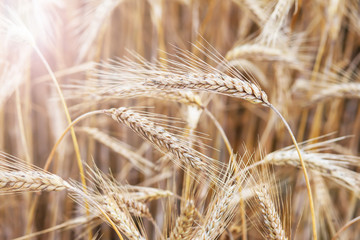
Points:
[[70, 224], [255, 8], [88, 31]]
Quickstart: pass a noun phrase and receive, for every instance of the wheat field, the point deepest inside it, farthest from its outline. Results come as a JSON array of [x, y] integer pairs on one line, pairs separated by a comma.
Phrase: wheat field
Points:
[[179, 119]]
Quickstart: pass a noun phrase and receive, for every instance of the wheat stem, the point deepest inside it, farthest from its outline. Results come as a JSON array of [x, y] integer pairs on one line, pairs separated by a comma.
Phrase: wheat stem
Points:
[[307, 181], [347, 225], [71, 125]]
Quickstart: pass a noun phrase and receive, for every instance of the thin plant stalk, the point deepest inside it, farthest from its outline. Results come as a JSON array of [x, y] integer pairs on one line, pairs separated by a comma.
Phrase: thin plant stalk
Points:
[[307, 181], [70, 126], [346, 226]]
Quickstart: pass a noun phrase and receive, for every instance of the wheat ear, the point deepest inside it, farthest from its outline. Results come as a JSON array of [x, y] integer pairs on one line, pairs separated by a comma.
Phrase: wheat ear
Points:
[[217, 83], [333, 166], [107, 205], [345, 90], [261, 52], [134, 207], [122, 220], [271, 217], [17, 176], [159, 137], [222, 208], [16, 181], [156, 135], [184, 223]]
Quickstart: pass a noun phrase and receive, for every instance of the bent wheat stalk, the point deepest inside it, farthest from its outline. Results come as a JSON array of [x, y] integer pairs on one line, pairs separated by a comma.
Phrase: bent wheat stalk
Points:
[[71, 125], [70, 224]]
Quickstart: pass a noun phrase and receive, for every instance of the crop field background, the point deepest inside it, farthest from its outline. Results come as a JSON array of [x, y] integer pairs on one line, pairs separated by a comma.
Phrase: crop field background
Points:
[[179, 119]]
